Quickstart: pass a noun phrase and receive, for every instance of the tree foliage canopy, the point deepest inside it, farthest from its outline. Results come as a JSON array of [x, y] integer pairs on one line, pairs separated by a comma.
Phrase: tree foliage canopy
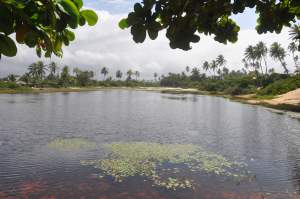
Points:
[[46, 24], [42, 24], [185, 19]]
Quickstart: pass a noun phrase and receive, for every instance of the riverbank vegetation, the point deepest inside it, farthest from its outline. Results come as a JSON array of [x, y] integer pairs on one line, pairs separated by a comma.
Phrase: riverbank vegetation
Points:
[[41, 75], [255, 76]]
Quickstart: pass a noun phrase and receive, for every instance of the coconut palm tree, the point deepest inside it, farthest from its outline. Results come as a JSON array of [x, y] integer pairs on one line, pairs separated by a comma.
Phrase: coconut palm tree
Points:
[[295, 34], [26, 78], [129, 74], [261, 52], [137, 74], [278, 54], [32, 70], [195, 74], [206, 66], [187, 69], [37, 71], [293, 48], [104, 72], [155, 76], [65, 76], [52, 67], [214, 66], [76, 72], [221, 61], [41, 69], [119, 74], [12, 77], [250, 56]]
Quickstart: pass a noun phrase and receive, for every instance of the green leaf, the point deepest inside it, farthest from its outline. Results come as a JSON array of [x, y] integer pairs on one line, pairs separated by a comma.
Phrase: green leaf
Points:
[[139, 33], [82, 21], [6, 21], [79, 3], [152, 34], [133, 19], [70, 35], [30, 39], [90, 16], [7, 46], [123, 24], [69, 7]]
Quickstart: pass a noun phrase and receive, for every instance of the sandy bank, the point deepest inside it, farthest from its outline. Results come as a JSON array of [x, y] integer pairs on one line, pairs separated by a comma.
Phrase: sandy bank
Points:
[[291, 98]]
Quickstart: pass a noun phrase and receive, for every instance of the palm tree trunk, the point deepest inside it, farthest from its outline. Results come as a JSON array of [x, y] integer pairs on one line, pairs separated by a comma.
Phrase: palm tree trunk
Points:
[[284, 66], [261, 68], [266, 65]]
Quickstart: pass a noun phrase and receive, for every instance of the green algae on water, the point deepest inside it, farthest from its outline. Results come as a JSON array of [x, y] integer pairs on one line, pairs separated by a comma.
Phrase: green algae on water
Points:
[[71, 144], [147, 159]]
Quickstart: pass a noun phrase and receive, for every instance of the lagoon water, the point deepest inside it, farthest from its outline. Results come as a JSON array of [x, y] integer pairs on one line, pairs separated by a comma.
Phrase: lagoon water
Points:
[[268, 143]]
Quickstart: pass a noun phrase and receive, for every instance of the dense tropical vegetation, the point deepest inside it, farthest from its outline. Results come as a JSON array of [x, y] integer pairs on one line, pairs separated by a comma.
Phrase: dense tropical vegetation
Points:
[[41, 75], [255, 76]]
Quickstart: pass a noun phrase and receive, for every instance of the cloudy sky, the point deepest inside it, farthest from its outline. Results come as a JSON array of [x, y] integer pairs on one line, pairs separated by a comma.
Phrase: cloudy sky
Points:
[[106, 45]]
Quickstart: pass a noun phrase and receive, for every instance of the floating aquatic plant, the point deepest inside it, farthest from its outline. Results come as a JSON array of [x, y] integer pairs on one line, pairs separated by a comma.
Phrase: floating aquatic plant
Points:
[[71, 144], [148, 159]]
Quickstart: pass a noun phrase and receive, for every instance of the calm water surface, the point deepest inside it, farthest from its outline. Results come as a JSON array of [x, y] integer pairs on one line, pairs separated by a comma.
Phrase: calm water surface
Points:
[[269, 143]]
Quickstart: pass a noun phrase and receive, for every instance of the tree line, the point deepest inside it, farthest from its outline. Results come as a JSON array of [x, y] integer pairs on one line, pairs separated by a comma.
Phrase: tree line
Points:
[[40, 74], [255, 74]]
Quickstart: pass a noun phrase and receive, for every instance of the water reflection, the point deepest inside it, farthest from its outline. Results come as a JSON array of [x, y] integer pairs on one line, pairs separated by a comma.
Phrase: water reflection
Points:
[[267, 142]]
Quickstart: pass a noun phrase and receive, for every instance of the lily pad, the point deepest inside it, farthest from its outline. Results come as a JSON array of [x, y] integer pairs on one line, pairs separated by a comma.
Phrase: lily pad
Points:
[[147, 159]]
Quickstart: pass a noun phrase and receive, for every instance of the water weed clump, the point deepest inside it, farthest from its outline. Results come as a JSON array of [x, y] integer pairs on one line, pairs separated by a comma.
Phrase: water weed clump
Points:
[[148, 160], [71, 144]]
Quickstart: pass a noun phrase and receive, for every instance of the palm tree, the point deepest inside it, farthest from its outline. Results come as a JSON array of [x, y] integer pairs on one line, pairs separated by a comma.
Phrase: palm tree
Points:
[[155, 76], [104, 72], [65, 76], [295, 34], [225, 71], [250, 56], [278, 53], [246, 64], [261, 52], [195, 74], [206, 66], [119, 74], [32, 70], [293, 48], [137, 74], [187, 69], [26, 78], [12, 78], [129, 74], [221, 61], [37, 71], [41, 69], [213, 65], [250, 60], [77, 72], [53, 69]]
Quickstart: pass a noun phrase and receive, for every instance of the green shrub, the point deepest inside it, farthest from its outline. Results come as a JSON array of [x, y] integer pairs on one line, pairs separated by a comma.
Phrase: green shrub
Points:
[[10, 85], [281, 86]]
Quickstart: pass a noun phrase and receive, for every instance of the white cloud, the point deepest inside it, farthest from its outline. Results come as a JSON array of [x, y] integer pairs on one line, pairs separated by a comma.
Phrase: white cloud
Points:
[[106, 45]]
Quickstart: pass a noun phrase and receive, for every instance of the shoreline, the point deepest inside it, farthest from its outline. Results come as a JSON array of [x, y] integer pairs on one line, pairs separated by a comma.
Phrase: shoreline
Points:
[[246, 99]]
